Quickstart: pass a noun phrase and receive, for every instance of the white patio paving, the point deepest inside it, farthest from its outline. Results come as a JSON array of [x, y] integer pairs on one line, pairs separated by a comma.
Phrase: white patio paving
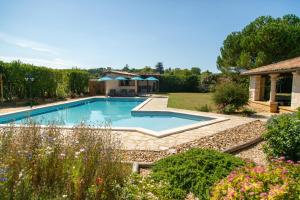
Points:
[[139, 141]]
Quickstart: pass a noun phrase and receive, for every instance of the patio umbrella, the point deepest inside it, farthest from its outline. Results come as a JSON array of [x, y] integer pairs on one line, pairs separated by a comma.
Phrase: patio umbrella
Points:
[[105, 78], [137, 78], [151, 78], [121, 78]]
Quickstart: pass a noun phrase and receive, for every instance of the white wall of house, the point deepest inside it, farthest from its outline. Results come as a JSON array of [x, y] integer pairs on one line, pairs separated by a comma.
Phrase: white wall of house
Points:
[[255, 88], [295, 102], [114, 85]]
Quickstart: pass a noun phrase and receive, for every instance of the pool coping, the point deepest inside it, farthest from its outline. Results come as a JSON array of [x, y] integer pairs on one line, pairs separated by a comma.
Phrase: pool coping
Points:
[[158, 134]]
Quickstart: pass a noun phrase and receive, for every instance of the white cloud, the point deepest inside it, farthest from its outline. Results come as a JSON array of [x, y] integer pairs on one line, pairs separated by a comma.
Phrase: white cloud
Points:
[[53, 63], [23, 43]]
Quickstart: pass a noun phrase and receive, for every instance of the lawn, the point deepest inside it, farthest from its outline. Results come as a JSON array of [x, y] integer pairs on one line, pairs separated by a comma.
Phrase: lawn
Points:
[[191, 101]]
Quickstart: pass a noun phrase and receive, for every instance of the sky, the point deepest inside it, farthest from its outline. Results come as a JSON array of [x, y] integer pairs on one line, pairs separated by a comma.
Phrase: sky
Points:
[[113, 33]]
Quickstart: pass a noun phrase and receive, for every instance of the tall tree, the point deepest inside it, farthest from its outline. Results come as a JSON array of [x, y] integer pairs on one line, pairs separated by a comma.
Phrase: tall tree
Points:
[[126, 68], [263, 41], [196, 70], [159, 67]]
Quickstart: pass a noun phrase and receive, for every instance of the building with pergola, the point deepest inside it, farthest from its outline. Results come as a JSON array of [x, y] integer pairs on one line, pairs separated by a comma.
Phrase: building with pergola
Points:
[[276, 85], [120, 83]]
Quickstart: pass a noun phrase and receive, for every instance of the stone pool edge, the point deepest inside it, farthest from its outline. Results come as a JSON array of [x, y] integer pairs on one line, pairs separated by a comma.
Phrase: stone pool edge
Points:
[[158, 134]]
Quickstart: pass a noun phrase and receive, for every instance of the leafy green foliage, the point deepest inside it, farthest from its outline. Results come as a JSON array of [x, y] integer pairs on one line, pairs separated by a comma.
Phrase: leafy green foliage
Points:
[[194, 171], [230, 96], [41, 163], [204, 108], [48, 83], [174, 83], [283, 136], [78, 81], [263, 41], [248, 111], [279, 180], [159, 68], [138, 187]]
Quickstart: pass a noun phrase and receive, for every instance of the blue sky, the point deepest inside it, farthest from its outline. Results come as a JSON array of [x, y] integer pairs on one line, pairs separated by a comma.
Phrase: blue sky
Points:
[[112, 33]]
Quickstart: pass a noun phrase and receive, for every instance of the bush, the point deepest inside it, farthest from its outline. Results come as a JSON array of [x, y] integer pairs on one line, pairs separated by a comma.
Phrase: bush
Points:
[[283, 136], [194, 171], [230, 97], [278, 181], [204, 108], [248, 112], [41, 163], [138, 187]]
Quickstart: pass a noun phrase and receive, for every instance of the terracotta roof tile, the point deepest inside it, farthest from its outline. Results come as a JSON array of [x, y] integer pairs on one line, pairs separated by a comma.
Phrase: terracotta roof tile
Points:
[[283, 66]]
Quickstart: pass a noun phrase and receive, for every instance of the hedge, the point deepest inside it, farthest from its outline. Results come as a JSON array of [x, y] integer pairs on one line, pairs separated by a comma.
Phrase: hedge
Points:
[[179, 83], [48, 83]]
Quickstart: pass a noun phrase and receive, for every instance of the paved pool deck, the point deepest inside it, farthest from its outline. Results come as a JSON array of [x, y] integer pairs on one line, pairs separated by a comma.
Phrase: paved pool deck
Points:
[[133, 140], [139, 141]]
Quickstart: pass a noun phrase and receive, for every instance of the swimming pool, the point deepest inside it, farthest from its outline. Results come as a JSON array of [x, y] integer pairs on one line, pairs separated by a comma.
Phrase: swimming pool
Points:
[[118, 112]]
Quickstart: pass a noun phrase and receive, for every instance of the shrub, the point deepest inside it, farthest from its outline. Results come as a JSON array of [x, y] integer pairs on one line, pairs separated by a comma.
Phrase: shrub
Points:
[[138, 187], [204, 108], [248, 112], [194, 171], [41, 163], [280, 180], [230, 97], [282, 136]]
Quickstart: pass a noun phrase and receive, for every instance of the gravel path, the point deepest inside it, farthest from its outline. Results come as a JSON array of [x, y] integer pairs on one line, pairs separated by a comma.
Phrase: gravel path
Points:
[[254, 153]]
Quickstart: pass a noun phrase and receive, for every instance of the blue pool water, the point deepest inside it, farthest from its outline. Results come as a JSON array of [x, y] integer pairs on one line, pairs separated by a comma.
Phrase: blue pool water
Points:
[[95, 112]]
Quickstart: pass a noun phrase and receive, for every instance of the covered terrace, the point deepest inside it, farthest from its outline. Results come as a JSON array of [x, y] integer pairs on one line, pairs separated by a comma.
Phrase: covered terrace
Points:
[[118, 83], [276, 85]]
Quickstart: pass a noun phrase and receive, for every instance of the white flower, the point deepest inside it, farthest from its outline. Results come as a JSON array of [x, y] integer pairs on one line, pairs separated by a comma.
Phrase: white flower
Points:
[[21, 174], [82, 150], [64, 196]]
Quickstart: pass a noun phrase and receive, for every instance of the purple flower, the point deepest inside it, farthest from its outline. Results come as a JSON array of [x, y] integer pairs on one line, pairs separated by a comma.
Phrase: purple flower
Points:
[[3, 179]]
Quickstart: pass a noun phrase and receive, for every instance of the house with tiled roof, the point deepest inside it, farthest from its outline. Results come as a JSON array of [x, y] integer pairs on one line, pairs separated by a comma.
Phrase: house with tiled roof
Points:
[[276, 84], [121, 83]]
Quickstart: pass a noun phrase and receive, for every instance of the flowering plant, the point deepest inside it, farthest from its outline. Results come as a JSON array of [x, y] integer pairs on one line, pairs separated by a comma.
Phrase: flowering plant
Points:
[[37, 163], [279, 180]]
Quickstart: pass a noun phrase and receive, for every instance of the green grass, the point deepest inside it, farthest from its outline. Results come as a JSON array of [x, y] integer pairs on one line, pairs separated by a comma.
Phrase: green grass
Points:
[[191, 101]]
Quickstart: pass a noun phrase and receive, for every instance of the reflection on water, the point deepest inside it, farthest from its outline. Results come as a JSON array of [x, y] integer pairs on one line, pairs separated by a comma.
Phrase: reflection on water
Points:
[[117, 113]]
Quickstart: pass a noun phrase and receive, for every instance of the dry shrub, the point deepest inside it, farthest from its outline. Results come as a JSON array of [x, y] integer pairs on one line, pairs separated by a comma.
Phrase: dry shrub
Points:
[[51, 163]]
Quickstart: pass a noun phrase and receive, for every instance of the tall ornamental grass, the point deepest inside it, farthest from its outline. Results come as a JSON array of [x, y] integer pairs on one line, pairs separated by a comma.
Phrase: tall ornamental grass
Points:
[[39, 163]]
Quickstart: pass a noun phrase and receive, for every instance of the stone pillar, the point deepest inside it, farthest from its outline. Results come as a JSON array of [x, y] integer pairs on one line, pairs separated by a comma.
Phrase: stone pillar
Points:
[[136, 87], [273, 103], [295, 101], [262, 88], [255, 88], [273, 87]]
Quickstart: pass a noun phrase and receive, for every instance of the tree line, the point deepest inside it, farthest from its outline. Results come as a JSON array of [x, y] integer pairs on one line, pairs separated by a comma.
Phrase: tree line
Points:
[[172, 79]]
